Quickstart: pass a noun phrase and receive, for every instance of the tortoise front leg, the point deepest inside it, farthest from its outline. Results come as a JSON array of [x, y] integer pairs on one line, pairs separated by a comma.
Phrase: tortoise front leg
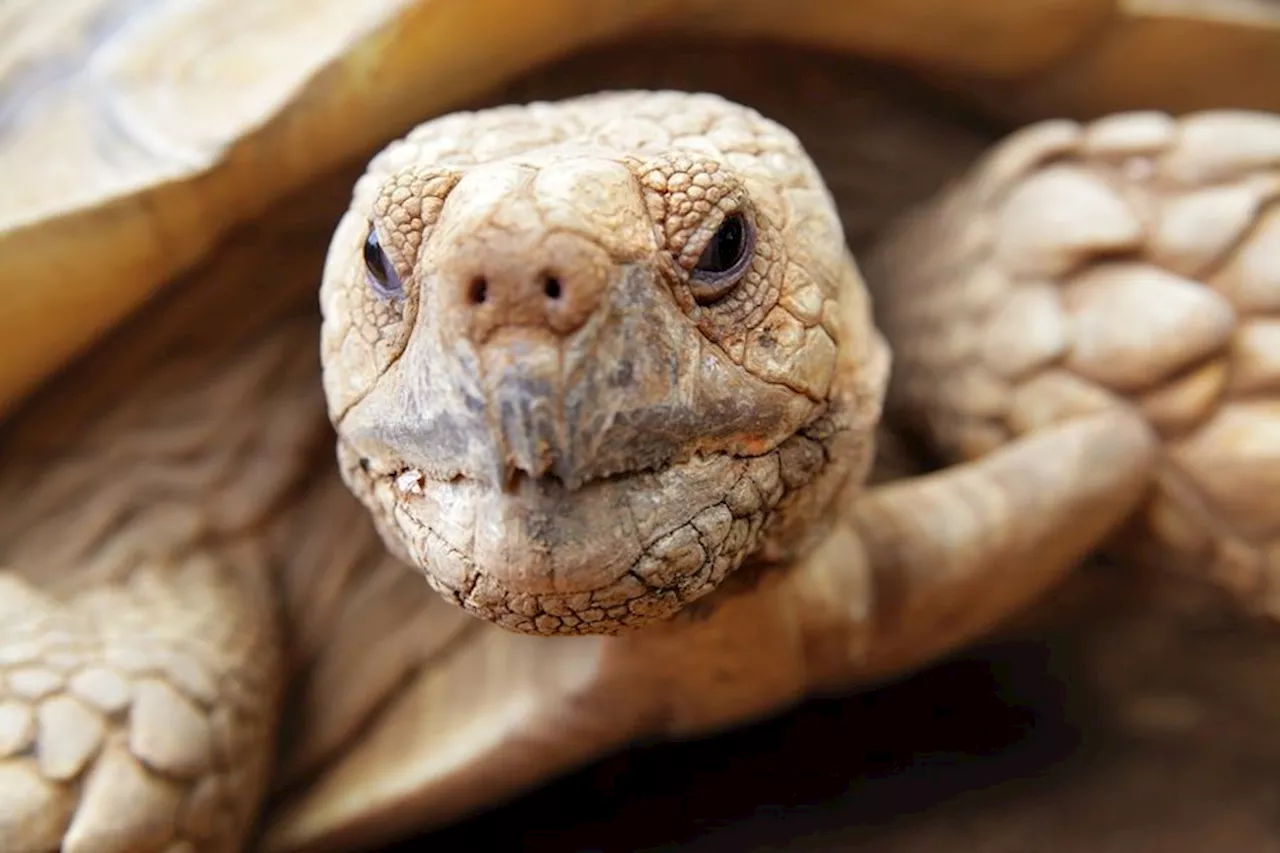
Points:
[[137, 711], [141, 659], [142, 500], [1130, 261], [924, 565]]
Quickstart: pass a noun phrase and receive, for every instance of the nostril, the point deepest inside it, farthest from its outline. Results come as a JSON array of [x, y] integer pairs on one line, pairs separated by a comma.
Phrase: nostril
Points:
[[551, 287], [479, 291]]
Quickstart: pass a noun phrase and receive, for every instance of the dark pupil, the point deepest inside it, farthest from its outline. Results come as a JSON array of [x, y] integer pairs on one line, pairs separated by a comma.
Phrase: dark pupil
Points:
[[726, 247], [375, 260]]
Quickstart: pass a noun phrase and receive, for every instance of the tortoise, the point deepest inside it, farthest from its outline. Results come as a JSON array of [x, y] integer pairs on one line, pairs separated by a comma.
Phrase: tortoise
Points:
[[696, 374]]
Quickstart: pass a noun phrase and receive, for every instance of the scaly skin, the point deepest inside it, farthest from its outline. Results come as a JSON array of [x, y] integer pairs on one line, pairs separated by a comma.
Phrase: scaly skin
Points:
[[1131, 261], [164, 616], [141, 648], [597, 458]]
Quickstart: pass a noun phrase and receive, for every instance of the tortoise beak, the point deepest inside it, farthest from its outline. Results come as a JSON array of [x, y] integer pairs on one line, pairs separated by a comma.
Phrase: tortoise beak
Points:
[[523, 387]]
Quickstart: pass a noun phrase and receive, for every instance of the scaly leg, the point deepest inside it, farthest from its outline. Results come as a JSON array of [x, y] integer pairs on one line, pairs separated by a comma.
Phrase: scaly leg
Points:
[[139, 642], [949, 555], [142, 660], [1132, 261]]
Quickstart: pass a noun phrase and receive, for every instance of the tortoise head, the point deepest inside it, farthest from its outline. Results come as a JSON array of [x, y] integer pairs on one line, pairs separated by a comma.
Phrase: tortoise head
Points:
[[580, 371]]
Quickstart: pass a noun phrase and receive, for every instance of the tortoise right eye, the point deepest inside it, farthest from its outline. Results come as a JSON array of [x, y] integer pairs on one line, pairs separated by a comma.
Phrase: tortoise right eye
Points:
[[723, 261], [381, 273]]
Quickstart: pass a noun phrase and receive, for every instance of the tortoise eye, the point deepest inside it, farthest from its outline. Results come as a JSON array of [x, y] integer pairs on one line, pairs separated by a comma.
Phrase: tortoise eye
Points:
[[381, 273], [723, 261]]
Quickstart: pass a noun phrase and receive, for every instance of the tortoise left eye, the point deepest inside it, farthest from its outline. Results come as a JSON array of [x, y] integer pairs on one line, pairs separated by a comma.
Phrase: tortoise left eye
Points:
[[724, 260], [382, 274]]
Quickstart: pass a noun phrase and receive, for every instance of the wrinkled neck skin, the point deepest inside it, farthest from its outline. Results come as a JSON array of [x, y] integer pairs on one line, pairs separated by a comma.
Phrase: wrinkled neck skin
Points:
[[549, 416]]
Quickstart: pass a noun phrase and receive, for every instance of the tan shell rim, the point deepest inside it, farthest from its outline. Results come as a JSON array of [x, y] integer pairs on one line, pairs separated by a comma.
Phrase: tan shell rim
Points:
[[212, 146]]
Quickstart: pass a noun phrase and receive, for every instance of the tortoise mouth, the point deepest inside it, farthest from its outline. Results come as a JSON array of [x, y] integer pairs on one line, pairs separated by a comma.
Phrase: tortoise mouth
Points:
[[518, 481], [615, 553]]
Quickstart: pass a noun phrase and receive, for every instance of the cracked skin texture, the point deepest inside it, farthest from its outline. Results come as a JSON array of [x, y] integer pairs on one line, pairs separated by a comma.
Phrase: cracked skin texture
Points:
[[597, 459], [166, 635]]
